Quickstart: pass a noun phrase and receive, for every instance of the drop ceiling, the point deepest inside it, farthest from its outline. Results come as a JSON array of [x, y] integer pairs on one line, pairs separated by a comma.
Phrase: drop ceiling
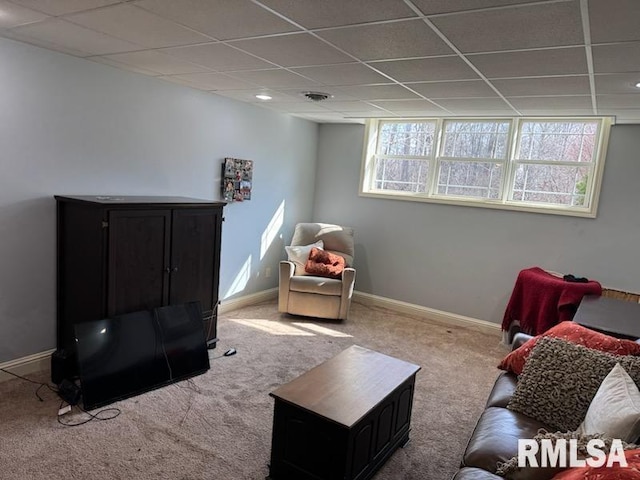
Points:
[[376, 58]]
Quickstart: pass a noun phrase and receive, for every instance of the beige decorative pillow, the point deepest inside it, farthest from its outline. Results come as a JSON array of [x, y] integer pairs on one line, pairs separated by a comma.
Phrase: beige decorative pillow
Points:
[[560, 379], [299, 254], [615, 409]]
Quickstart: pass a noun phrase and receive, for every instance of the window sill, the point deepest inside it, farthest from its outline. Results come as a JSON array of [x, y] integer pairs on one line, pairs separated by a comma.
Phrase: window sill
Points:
[[493, 204]]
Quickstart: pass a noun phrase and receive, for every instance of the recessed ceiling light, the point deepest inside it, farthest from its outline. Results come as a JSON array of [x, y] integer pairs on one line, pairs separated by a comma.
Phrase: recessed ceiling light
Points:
[[638, 85], [263, 96]]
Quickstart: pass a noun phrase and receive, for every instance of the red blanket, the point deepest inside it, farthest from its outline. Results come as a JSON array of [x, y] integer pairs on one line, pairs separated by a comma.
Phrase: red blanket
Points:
[[541, 300]]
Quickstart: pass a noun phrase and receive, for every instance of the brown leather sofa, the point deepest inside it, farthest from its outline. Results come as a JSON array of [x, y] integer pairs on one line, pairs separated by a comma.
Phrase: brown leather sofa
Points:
[[495, 438]]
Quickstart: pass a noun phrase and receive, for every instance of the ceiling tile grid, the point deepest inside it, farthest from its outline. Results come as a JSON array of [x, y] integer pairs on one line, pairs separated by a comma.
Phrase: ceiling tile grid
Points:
[[373, 57]]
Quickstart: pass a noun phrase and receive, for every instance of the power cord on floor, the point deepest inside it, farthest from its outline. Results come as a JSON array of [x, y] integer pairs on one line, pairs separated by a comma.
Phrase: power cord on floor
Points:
[[96, 416], [92, 416], [41, 384]]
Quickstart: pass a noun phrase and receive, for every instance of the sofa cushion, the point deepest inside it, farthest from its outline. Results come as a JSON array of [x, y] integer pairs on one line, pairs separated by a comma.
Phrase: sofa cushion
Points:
[[472, 473], [324, 264], [320, 285], [502, 390], [560, 380], [495, 438], [514, 361]]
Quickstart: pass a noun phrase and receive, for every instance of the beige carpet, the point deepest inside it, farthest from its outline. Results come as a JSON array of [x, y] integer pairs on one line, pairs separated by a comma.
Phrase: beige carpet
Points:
[[219, 426]]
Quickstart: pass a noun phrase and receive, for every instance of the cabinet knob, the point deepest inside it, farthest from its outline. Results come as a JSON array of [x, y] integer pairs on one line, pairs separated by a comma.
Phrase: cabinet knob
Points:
[[174, 269], [167, 270]]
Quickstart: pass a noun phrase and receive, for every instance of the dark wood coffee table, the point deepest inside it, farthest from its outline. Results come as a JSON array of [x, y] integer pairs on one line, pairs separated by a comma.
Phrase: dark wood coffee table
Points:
[[343, 418]]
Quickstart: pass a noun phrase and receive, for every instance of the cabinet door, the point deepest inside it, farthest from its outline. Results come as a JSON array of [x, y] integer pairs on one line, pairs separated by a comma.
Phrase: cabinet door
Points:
[[195, 247], [138, 259]]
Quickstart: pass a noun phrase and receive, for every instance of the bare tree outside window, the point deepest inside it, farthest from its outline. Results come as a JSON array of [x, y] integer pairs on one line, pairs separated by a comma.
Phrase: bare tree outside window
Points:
[[550, 165], [402, 160]]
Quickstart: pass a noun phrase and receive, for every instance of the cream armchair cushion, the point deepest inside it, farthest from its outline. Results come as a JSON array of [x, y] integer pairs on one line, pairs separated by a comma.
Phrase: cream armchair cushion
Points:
[[313, 296]]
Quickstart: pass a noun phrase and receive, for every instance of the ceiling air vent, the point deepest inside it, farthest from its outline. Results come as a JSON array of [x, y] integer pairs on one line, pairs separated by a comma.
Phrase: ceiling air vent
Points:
[[316, 96]]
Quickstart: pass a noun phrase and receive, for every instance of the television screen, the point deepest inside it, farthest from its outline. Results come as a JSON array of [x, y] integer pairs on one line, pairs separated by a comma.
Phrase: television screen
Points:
[[129, 354]]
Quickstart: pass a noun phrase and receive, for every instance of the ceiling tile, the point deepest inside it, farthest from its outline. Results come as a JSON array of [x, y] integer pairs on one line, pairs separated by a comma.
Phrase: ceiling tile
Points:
[[427, 69], [543, 102], [466, 105], [74, 37], [61, 7], [618, 101], [413, 106], [357, 106], [12, 15], [555, 61], [276, 78], [14, 35], [431, 7], [617, 83], [249, 95], [345, 74], [335, 93], [136, 25], [209, 81], [533, 26], [220, 19], [332, 13], [614, 20], [412, 38], [514, 87], [295, 107], [298, 49], [155, 61], [379, 92], [329, 117], [123, 66], [467, 88], [217, 56], [550, 110], [618, 58]]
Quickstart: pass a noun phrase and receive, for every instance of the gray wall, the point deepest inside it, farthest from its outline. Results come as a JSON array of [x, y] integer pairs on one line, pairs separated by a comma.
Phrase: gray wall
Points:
[[71, 126], [465, 260]]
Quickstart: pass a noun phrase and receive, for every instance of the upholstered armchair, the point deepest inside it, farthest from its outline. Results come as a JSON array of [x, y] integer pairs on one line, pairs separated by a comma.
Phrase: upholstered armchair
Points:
[[309, 295]]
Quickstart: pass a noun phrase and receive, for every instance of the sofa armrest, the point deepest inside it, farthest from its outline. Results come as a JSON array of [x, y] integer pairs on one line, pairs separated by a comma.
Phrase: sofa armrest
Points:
[[348, 283], [519, 339]]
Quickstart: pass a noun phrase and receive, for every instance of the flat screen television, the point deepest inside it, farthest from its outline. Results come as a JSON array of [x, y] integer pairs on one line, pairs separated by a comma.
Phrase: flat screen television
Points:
[[129, 354]]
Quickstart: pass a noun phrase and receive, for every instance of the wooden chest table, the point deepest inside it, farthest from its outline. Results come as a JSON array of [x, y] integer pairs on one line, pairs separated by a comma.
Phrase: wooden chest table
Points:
[[343, 418]]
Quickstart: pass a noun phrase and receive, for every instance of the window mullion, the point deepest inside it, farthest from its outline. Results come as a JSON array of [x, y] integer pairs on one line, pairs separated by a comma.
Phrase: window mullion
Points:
[[434, 172], [510, 170]]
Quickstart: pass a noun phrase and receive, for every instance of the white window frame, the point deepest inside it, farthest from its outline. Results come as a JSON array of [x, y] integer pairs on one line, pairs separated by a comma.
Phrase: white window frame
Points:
[[367, 177]]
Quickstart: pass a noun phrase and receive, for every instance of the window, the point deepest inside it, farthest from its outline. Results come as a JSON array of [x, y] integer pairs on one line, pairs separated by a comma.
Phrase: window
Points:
[[544, 165]]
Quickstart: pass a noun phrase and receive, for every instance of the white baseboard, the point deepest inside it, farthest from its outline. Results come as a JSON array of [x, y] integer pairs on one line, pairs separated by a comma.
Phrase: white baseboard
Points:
[[247, 300], [35, 363], [42, 361], [426, 313]]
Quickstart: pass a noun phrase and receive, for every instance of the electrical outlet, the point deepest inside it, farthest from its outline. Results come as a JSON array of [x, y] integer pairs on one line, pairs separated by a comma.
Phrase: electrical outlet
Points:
[[267, 272]]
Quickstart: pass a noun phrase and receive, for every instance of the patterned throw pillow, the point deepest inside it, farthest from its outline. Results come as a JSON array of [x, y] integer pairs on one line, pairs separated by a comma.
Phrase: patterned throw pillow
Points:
[[324, 264], [514, 361], [561, 378]]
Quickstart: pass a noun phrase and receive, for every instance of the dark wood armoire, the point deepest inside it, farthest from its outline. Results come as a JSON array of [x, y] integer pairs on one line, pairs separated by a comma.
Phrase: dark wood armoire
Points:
[[121, 254]]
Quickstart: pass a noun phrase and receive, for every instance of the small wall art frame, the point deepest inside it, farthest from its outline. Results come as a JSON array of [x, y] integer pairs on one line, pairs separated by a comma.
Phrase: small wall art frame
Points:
[[237, 179]]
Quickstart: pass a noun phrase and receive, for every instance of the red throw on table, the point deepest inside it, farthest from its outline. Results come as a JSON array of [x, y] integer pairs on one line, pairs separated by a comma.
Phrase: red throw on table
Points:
[[541, 300]]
